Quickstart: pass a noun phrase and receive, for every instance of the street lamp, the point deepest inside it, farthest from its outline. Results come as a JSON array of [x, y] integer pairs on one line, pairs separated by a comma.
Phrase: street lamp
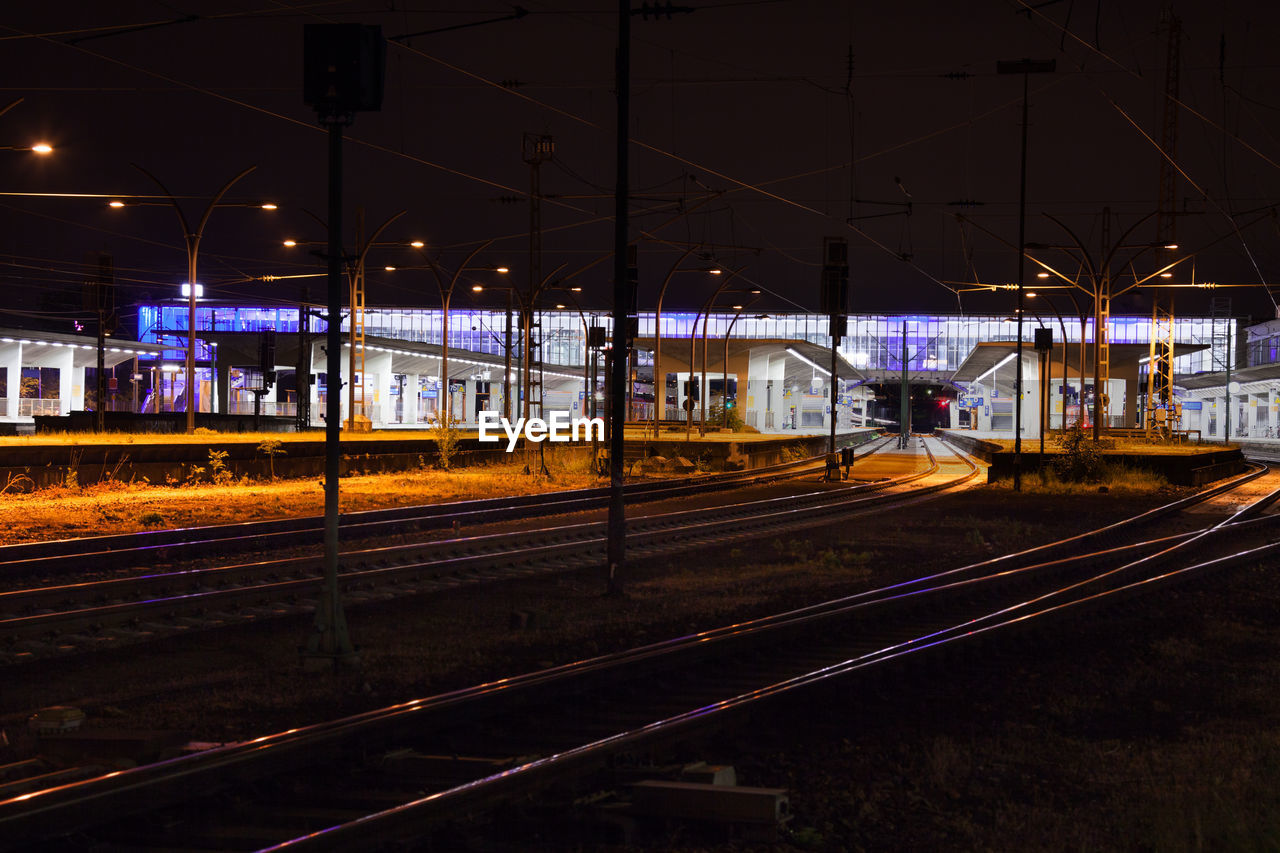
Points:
[[192, 239], [1099, 274], [588, 375], [1033, 294], [446, 296], [512, 292], [659, 377], [355, 279], [705, 315], [724, 409], [41, 148]]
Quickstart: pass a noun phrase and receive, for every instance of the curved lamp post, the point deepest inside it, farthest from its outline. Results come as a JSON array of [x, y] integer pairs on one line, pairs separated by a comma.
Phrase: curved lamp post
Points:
[[660, 381], [355, 285], [1033, 294], [724, 409], [192, 237], [703, 314], [446, 296]]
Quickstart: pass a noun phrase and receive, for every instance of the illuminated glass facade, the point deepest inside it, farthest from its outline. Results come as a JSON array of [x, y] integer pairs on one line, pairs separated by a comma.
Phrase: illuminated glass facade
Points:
[[935, 343]]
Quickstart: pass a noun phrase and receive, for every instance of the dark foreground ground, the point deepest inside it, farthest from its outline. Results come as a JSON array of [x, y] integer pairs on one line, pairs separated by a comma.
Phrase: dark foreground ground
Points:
[[1156, 727]]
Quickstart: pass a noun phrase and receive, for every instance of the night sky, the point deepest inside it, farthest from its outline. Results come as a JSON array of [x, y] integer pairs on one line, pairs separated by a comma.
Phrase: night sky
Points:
[[746, 117]]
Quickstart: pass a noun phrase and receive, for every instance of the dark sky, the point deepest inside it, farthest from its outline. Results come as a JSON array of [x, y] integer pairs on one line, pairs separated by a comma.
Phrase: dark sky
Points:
[[745, 121]]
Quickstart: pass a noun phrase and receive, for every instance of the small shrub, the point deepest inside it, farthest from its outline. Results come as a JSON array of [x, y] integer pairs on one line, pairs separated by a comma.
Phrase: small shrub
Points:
[[735, 423], [446, 438], [271, 447], [218, 472], [151, 519], [1079, 460]]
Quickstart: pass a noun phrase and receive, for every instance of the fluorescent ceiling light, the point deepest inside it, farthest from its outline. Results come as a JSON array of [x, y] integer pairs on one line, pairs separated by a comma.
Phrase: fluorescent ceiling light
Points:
[[812, 364], [1008, 358]]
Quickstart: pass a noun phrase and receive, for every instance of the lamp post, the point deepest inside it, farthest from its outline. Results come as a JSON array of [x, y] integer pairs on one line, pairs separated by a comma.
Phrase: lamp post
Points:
[[192, 238], [1025, 67], [355, 282], [446, 296], [706, 319], [1032, 294], [693, 332], [586, 334], [1100, 289], [724, 410], [1099, 274], [660, 381]]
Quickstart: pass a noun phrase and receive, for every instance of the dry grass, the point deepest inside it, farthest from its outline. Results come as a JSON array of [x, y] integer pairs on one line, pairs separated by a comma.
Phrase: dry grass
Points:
[[117, 507], [1119, 479], [1135, 446]]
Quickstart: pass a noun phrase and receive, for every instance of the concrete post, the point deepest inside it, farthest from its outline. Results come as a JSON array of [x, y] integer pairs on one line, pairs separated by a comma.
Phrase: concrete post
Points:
[[11, 361]]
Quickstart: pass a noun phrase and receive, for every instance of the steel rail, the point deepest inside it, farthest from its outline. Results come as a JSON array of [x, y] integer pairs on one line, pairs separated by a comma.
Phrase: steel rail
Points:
[[229, 586], [289, 746], [410, 820], [400, 822]]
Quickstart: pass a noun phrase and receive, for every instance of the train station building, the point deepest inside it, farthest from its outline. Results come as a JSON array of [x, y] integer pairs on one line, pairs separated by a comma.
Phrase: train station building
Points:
[[774, 369]]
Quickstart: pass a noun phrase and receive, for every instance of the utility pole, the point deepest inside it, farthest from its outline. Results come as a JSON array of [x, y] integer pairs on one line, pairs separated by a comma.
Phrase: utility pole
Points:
[[99, 296], [835, 302], [302, 380], [617, 524], [1025, 67], [537, 149], [904, 410], [344, 65]]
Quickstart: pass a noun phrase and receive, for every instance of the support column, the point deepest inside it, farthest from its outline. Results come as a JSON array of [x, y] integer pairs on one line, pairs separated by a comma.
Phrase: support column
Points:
[[411, 400], [75, 401], [11, 361], [756, 389], [222, 376], [376, 403], [777, 406], [69, 389]]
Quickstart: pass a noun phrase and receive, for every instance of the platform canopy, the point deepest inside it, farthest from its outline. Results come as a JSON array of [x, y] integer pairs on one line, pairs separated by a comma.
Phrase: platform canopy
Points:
[[802, 356], [988, 354], [45, 349], [1268, 373], [239, 349]]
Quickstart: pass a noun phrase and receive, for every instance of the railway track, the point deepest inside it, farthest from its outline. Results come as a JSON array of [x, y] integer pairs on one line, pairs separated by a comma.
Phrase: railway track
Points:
[[390, 776], [68, 617]]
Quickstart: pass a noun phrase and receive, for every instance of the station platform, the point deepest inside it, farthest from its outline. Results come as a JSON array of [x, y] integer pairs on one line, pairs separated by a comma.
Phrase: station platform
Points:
[[730, 451], [1184, 464]]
